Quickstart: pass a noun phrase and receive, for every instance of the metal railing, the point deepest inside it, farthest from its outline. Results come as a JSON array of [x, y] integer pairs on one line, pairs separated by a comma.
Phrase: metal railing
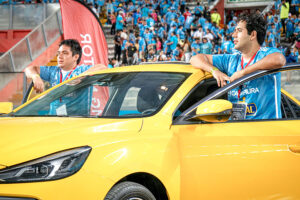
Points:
[[45, 30], [25, 16], [30, 47]]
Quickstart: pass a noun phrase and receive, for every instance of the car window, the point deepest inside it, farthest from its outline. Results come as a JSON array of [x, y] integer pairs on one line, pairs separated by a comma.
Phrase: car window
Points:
[[131, 94], [201, 90], [290, 99]]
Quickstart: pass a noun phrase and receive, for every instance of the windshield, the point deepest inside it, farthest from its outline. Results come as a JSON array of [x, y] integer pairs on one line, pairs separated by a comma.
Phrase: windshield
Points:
[[130, 94]]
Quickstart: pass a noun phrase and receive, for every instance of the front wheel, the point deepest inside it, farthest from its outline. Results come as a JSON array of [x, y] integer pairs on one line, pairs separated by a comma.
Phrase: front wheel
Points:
[[129, 191]]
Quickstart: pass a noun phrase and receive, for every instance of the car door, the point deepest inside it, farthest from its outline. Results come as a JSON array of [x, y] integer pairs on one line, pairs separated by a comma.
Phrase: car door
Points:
[[245, 159]]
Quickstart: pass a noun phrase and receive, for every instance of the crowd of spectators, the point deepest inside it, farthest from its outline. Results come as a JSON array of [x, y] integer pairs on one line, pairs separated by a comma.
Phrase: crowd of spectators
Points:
[[168, 30], [15, 2]]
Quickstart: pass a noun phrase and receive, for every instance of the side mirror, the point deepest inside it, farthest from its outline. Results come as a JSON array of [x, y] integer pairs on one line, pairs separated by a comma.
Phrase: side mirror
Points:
[[217, 110], [6, 107]]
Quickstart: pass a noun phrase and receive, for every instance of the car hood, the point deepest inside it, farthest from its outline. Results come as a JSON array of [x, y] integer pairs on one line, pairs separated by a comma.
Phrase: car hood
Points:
[[27, 138]]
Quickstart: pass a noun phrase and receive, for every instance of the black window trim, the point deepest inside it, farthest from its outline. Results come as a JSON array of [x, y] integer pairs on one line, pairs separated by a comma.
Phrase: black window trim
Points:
[[287, 101]]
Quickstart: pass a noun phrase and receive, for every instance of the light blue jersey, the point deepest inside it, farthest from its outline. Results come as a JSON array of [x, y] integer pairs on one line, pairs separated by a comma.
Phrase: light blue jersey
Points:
[[262, 95], [52, 73], [78, 100]]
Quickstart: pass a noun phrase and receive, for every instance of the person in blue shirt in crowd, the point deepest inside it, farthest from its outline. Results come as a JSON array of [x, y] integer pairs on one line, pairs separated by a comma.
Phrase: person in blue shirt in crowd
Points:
[[131, 36], [119, 22], [207, 25], [271, 39], [201, 21], [164, 8], [68, 57], [109, 7], [150, 8], [295, 53], [196, 46], [116, 5], [187, 25], [142, 47], [130, 7], [181, 20], [264, 92], [198, 10], [227, 45], [289, 27], [232, 23], [172, 29], [180, 33], [142, 27], [136, 16], [145, 11], [175, 53], [206, 46], [147, 35], [278, 28], [150, 21], [173, 41], [290, 56], [152, 44], [270, 19], [161, 32], [166, 47], [297, 30]]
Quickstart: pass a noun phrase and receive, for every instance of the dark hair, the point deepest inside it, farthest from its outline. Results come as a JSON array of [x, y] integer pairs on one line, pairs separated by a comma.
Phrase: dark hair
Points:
[[255, 22], [74, 46]]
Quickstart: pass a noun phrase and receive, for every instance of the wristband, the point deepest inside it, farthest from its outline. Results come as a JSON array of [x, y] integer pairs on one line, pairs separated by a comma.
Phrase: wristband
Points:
[[213, 69]]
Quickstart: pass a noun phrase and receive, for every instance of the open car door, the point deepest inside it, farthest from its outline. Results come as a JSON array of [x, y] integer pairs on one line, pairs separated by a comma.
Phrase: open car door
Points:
[[222, 158]]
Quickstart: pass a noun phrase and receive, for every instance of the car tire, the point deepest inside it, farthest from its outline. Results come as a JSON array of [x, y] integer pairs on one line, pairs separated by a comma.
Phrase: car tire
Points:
[[129, 191]]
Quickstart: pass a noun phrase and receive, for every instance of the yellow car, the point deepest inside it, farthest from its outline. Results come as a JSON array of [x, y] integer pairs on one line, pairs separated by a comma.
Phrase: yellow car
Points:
[[158, 131]]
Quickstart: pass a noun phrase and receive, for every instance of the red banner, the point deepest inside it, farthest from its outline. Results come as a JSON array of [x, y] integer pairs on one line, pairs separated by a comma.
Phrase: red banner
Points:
[[80, 22]]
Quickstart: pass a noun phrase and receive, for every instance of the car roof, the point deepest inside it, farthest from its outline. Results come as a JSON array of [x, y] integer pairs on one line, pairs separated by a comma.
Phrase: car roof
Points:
[[157, 67]]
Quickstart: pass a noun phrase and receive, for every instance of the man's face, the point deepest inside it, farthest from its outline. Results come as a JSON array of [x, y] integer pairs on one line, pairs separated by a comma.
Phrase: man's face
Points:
[[65, 59], [240, 36]]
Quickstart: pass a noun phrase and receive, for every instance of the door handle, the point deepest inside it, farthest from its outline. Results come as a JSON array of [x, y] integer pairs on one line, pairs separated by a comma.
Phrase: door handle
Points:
[[294, 148]]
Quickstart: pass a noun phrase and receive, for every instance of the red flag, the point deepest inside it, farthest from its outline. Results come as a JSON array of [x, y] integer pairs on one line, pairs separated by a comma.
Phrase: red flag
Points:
[[80, 22]]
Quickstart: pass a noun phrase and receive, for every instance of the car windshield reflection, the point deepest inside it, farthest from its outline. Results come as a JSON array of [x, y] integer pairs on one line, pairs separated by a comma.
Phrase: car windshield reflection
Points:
[[114, 95]]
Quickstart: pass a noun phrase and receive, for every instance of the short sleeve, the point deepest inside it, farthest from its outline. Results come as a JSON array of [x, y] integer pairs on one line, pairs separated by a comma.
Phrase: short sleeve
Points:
[[221, 62], [273, 50], [46, 71], [83, 68]]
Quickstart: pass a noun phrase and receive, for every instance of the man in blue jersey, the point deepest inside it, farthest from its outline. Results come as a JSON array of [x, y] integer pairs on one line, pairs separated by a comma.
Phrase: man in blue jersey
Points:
[[261, 96], [68, 58]]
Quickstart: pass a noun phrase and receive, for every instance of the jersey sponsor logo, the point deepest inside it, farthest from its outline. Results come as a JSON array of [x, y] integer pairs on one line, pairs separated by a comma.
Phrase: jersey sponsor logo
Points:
[[246, 91], [251, 109]]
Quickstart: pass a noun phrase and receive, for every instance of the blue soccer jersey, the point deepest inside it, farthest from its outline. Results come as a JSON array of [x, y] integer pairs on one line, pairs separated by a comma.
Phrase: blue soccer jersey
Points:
[[262, 95], [52, 74], [73, 103]]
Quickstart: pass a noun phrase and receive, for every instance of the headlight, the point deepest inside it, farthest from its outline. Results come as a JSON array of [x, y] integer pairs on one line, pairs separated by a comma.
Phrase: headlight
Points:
[[51, 167]]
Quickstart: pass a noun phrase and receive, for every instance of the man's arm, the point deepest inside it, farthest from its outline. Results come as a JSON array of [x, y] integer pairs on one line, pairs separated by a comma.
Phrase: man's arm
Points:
[[271, 61], [204, 62], [33, 72]]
